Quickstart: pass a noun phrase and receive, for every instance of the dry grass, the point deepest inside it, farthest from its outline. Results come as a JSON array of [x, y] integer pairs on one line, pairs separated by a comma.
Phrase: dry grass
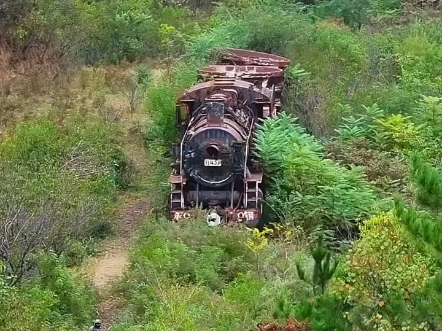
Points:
[[34, 87]]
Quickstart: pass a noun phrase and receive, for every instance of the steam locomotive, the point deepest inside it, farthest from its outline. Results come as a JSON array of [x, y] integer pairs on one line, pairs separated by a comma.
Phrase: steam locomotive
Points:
[[213, 168]]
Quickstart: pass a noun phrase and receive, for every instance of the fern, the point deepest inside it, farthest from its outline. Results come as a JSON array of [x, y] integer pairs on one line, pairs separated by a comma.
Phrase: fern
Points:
[[276, 138]]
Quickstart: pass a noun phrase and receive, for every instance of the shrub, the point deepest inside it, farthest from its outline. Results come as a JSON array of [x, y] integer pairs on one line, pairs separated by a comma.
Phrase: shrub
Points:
[[385, 269], [323, 313], [242, 30], [428, 182], [161, 106], [58, 185], [323, 270], [384, 169], [57, 301], [309, 189], [427, 114], [212, 259], [197, 276]]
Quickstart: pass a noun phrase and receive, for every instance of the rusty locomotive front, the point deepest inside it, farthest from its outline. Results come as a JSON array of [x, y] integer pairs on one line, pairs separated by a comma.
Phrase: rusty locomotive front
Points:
[[213, 168]]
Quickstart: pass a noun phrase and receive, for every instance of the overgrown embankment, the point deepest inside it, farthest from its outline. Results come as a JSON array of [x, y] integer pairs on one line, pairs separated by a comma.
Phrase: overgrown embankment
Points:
[[365, 84], [64, 173], [358, 92]]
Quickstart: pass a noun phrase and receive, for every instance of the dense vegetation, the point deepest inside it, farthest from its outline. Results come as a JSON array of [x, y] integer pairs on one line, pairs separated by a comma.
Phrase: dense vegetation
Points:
[[356, 181]]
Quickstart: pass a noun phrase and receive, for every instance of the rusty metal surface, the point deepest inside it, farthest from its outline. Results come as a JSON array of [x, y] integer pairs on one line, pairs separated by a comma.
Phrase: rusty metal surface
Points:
[[254, 178], [175, 179], [245, 89], [240, 215], [241, 85], [247, 57], [240, 72]]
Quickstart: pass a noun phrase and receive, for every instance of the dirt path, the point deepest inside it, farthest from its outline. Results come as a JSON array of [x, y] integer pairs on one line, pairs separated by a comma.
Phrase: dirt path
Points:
[[113, 262]]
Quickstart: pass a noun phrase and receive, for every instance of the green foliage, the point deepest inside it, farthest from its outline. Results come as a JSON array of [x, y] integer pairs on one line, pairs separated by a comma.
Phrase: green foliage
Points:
[[161, 106], [428, 114], [75, 296], [119, 30], [324, 312], [101, 31], [394, 132], [213, 261], [322, 271], [427, 304], [193, 276], [397, 132], [421, 224], [356, 13], [384, 269], [162, 97], [87, 148], [386, 170], [307, 188], [59, 180], [238, 27], [428, 182], [56, 301], [58, 184], [275, 139]]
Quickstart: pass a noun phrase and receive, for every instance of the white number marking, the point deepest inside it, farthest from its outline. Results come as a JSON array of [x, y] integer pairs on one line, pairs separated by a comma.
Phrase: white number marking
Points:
[[248, 215], [212, 163]]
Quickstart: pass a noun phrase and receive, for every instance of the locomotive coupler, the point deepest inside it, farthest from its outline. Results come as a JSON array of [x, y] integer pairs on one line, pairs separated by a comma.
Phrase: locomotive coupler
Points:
[[213, 219]]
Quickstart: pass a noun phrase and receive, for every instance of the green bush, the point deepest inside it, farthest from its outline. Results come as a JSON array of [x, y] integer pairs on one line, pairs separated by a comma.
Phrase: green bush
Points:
[[309, 189], [56, 301], [213, 260], [379, 286], [276, 31], [162, 98], [161, 106], [59, 182], [198, 277]]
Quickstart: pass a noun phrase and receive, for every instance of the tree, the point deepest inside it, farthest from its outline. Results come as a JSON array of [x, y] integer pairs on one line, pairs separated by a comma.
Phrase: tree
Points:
[[323, 270]]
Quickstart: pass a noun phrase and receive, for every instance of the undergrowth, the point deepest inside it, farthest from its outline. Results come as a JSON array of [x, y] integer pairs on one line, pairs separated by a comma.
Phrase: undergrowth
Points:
[[364, 88]]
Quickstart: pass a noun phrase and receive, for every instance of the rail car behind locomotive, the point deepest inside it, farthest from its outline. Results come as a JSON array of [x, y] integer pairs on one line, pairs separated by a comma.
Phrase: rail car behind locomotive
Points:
[[213, 166]]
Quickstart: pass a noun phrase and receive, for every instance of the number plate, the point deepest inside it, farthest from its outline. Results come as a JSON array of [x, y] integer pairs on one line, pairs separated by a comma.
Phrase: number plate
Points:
[[212, 163]]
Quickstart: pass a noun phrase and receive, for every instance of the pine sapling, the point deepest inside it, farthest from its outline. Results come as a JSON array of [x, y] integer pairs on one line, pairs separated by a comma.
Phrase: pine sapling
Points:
[[323, 269]]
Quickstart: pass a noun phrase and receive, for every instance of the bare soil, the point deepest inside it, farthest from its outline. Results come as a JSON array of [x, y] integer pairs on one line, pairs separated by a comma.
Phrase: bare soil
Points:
[[112, 263]]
